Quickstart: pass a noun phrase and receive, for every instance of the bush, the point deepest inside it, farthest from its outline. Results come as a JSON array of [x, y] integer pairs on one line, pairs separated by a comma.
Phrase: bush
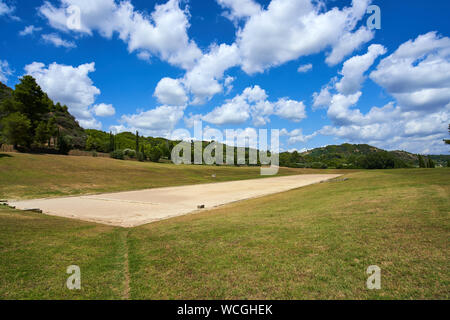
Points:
[[155, 154], [118, 154], [140, 156], [64, 144], [318, 165], [94, 154], [130, 153], [380, 160]]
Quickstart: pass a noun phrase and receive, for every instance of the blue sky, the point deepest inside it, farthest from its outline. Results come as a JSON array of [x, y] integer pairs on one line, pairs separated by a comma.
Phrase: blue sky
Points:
[[155, 66]]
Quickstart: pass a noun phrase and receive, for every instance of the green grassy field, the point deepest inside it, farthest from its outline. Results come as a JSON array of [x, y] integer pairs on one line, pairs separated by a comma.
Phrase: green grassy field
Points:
[[314, 242], [25, 176]]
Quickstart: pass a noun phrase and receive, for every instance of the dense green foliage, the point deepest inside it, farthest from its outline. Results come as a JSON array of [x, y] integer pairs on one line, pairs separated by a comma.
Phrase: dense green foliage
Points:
[[359, 156], [348, 156], [30, 119]]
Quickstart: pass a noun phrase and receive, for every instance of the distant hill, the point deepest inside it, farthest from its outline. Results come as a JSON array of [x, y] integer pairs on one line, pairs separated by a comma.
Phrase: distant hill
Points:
[[351, 156]]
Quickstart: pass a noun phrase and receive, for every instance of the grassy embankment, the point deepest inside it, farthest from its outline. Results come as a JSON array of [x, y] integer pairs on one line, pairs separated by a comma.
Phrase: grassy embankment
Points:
[[313, 242]]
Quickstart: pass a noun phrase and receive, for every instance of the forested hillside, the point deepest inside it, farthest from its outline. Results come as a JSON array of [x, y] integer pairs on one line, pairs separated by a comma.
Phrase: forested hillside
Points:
[[31, 120], [357, 156]]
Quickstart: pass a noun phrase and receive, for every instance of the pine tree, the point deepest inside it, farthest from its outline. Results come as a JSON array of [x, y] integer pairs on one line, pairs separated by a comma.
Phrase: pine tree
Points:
[[431, 163], [421, 162], [52, 130], [42, 134], [137, 141], [111, 142]]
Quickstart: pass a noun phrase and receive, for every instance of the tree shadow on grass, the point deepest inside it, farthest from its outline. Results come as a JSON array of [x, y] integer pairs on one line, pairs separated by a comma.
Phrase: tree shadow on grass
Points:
[[2, 155]]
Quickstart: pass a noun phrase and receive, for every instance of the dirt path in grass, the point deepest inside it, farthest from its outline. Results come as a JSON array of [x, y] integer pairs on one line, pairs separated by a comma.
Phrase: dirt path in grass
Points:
[[126, 272], [134, 208]]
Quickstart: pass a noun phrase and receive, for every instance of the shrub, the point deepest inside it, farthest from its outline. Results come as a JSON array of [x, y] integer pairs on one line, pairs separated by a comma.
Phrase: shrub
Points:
[[118, 154], [155, 154], [140, 156], [318, 165], [64, 144], [130, 153], [94, 154], [380, 160]]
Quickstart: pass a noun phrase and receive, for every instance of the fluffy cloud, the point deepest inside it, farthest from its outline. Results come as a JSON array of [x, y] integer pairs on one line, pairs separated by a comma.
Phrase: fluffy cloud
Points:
[[56, 40], [284, 31], [354, 69], [391, 128], [238, 9], [228, 83], [170, 92], [305, 68], [104, 110], [70, 86], [29, 30], [290, 109], [235, 111], [5, 9], [347, 87], [417, 74], [163, 33], [348, 43], [203, 79], [289, 29], [322, 98], [296, 136], [159, 121], [253, 103], [5, 71]]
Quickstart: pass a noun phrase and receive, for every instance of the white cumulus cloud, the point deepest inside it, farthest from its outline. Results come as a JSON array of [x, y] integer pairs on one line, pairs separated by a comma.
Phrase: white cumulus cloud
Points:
[[289, 29], [355, 67], [417, 74], [5, 71], [104, 110], [56, 40], [29, 30], [170, 92], [159, 121], [70, 86]]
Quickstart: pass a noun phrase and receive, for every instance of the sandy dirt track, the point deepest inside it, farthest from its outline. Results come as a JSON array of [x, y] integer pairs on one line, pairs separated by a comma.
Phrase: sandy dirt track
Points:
[[134, 208]]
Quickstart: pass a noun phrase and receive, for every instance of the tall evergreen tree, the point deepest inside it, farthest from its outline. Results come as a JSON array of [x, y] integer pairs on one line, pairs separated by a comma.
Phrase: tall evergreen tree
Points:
[[431, 163], [42, 134], [111, 142], [421, 162], [137, 141], [52, 129], [32, 101]]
